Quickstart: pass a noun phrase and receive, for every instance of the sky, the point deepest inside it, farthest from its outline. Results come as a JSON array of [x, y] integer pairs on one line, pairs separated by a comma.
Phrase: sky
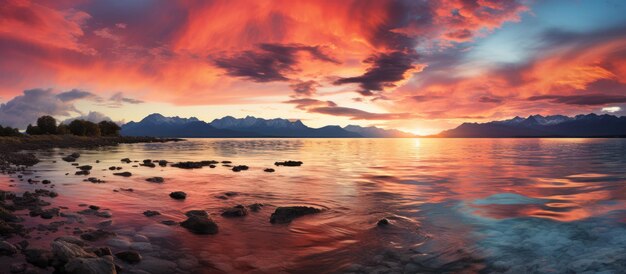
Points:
[[418, 66]]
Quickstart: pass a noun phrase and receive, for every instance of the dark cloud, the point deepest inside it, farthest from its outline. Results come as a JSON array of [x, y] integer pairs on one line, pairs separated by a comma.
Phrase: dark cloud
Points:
[[76, 94], [424, 98], [33, 103], [489, 99], [459, 35], [304, 88], [330, 108], [118, 99], [307, 103], [581, 100], [357, 114], [271, 62], [385, 70]]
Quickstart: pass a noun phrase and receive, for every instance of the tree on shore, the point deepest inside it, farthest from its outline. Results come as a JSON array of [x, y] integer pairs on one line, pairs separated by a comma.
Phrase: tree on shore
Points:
[[63, 129], [91, 129], [108, 128], [84, 128], [47, 125], [33, 130], [9, 131]]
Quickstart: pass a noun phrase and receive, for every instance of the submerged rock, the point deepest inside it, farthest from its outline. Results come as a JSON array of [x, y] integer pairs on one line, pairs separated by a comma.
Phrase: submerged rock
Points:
[[155, 180], [240, 168], [269, 170], [148, 164], [131, 257], [95, 235], [178, 195], [68, 158], [382, 222], [150, 213], [200, 225], [255, 207], [196, 212], [123, 174], [236, 211], [85, 167], [286, 214], [82, 172], [288, 163], [169, 222]]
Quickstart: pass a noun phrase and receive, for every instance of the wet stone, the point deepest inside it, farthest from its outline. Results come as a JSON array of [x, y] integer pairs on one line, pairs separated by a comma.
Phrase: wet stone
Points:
[[288, 163], [196, 212], [236, 211], [123, 174], [200, 225], [150, 213], [178, 195], [287, 214], [131, 257], [156, 180]]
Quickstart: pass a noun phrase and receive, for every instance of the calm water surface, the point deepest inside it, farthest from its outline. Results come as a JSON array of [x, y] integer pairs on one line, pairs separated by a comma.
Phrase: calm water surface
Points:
[[455, 205]]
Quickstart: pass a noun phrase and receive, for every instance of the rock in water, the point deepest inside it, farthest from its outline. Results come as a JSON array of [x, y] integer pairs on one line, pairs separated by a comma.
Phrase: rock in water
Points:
[[200, 225], [382, 222], [65, 251], [236, 211], [178, 195], [123, 174], [155, 180], [240, 168], [196, 212], [269, 170], [131, 257], [150, 213], [288, 163], [85, 167], [100, 265], [284, 215]]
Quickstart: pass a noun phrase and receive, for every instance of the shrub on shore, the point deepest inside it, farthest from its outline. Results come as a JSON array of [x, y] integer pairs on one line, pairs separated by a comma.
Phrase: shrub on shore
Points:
[[9, 131]]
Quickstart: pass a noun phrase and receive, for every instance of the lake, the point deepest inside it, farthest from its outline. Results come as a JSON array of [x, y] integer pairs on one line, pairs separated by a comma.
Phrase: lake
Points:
[[453, 205]]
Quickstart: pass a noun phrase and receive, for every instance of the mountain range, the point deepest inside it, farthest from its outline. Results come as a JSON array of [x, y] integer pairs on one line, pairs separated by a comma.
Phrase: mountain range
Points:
[[158, 125], [589, 125]]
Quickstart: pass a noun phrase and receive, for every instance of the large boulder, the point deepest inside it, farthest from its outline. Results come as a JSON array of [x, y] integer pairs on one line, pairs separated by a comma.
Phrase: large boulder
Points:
[[65, 251], [286, 214], [100, 265], [200, 225]]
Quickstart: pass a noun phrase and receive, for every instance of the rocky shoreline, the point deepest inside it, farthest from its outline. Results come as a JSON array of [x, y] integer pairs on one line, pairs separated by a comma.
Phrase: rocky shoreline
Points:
[[39, 235], [11, 147]]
